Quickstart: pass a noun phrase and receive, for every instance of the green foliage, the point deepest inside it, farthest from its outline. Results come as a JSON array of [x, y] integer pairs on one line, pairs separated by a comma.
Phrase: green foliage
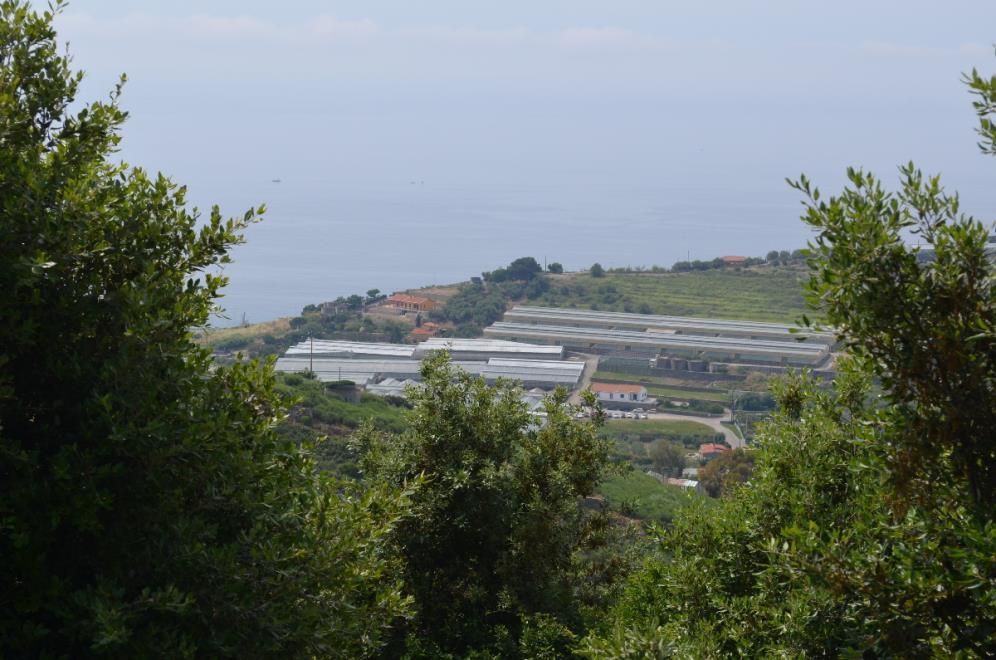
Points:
[[496, 521], [811, 559], [597, 270], [555, 267], [927, 330], [148, 508], [756, 401], [867, 528], [668, 458], [316, 410], [522, 269], [474, 305], [769, 294], [658, 428], [721, 476], [639, 495], [984, 89]]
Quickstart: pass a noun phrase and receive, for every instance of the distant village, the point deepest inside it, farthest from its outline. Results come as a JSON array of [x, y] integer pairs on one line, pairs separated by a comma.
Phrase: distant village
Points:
[[543, 348]]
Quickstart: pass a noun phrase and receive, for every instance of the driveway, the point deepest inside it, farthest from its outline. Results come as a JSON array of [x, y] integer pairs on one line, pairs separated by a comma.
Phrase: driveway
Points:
[[711, 422], [590, 367]]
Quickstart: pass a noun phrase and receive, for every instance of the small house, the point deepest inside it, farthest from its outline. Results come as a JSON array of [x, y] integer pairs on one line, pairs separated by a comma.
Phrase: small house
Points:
[[711, 450], [409, 303], [616, 392], [686, 484], [733, 260]]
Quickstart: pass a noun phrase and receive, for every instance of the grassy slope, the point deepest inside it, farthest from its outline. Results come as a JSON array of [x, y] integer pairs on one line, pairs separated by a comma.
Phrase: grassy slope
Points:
[[318, 404], [657, 427], [214, 336], [761, 293], [649, 499]]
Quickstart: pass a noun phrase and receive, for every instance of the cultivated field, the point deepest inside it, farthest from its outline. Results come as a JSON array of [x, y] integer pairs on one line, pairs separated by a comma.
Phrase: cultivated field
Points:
[[762, 293]]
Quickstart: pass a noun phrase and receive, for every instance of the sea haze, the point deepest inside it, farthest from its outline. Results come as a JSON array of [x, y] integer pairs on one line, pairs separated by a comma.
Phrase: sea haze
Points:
[[320, 240]]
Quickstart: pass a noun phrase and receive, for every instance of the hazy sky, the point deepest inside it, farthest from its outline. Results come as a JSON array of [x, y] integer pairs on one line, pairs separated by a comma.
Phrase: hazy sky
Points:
[[727, 93]]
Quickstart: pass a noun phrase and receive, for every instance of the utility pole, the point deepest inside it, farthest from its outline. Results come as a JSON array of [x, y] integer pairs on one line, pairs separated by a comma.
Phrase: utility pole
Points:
[[311, 356]]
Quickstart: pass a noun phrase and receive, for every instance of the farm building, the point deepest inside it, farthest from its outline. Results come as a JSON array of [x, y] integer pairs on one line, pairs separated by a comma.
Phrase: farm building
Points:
[[613, 392], [484, 349], [677, 325], [370, 364], [349, 349], [733, 260], [409, 303], [651, 344]]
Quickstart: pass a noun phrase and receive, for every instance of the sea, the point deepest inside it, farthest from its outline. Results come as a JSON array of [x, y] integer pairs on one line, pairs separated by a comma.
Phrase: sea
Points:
[[321, 239]]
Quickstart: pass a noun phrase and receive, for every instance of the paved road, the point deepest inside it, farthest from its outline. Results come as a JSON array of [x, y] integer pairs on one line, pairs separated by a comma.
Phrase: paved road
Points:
[[711, 422], [590, 366]]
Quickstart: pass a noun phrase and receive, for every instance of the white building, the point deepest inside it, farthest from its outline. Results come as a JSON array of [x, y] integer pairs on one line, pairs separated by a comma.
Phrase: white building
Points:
[[616, 392]]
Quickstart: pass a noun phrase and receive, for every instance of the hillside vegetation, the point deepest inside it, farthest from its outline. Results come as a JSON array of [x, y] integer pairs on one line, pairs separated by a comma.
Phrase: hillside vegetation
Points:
[[758, 293]]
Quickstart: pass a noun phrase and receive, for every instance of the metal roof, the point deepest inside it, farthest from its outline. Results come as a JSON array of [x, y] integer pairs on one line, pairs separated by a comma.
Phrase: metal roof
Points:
[[557, 315], [545, 365], [348, 348], [334, 365], [653, 340], [486, 345]]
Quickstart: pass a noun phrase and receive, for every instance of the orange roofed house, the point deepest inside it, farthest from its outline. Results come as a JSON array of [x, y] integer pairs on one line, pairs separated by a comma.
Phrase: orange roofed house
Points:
[[425, 331], [733, 260], [619, 392], [711, 450], [409, 303]]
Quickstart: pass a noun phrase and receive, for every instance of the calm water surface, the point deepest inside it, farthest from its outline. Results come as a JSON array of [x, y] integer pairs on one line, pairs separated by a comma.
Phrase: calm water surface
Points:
[[321, 240]]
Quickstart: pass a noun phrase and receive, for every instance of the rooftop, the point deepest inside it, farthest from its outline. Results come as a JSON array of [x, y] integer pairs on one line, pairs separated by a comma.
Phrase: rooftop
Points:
[[654, 341], [682, 483], [349, 348], [407, 298], [617, 388]]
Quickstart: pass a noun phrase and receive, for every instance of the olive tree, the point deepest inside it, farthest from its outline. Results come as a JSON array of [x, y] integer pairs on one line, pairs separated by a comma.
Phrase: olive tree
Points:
[[867, 526], [494, 525], [147, 508]]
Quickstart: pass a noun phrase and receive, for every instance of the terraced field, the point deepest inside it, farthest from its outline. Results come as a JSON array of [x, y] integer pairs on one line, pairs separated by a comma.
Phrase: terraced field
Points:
[[656, 427], [761, 293], [641, 496]]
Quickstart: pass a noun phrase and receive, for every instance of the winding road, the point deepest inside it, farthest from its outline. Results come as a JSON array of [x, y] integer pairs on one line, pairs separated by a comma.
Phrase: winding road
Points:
[[711, 422]]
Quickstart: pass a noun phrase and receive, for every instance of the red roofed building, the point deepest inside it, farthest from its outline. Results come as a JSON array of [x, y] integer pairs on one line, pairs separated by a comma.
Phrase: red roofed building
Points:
[[426, 330], [409, 303], [711, 450], [619, 392], [733, 260]]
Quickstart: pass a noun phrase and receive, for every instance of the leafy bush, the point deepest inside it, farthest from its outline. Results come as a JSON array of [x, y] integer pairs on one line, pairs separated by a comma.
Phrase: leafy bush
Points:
[[148, 507]]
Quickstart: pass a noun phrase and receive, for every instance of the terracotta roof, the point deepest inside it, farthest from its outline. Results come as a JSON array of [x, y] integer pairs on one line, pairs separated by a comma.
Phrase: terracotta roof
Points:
[[428, 332], [405, 298], [616, 388], [733, 259], [712, 448]]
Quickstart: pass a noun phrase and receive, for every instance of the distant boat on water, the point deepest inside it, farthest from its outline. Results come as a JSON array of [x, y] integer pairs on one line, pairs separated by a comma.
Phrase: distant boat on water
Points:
[[275, 180]]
